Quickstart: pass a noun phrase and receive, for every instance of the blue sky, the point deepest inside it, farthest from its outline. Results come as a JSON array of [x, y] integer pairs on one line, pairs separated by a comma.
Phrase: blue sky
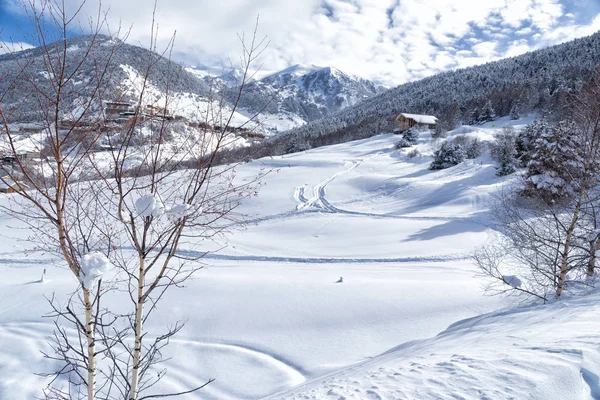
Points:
[[389, 41]]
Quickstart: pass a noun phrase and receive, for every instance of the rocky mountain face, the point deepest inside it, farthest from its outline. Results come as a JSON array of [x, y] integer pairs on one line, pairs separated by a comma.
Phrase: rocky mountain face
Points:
[[305, 94]]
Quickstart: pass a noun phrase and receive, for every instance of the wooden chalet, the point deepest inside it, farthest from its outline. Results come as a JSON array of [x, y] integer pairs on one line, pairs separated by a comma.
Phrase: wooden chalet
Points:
[[406, 121], [10, 186]]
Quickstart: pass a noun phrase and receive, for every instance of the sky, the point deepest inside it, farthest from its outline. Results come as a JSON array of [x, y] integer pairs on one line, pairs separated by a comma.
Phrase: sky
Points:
[[387, 41]]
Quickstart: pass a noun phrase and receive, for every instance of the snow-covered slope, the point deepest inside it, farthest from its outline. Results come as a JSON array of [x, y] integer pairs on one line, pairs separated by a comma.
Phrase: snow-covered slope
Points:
[[164, 74], [543, 352], [266, 314]]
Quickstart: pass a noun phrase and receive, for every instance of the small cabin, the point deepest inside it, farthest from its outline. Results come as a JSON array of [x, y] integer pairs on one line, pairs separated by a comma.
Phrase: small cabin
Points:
[[406, 121], [10, 186]]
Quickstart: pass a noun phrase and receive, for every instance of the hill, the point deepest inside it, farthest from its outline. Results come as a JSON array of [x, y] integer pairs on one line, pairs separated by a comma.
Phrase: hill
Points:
[[538, 80]]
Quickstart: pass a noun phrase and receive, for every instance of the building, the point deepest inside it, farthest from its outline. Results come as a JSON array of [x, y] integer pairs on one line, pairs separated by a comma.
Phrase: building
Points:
[[406, 121], [117, 108], [9, 186], [155, 111]]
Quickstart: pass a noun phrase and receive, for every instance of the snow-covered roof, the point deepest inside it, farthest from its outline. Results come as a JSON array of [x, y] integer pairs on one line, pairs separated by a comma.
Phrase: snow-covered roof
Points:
[[421, 119], [9, 183]]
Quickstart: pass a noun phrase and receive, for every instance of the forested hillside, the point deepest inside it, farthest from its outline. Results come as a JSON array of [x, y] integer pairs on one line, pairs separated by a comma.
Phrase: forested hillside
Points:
[[540, 79]]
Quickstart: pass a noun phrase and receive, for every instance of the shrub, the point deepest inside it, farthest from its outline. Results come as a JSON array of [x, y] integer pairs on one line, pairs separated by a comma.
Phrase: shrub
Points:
[[403, 143], [414, 153], [448, 155], [472, 146]]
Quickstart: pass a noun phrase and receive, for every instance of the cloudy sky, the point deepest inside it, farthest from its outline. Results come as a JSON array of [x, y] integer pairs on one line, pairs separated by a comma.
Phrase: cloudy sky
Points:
[[389, 41]]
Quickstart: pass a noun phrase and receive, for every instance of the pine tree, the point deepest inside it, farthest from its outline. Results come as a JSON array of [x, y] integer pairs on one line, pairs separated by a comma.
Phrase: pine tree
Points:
[[525, 139], [448, 155], [515, 111], [503, 150], [555, 159], [411, 135], [487, 114], [475, 116]]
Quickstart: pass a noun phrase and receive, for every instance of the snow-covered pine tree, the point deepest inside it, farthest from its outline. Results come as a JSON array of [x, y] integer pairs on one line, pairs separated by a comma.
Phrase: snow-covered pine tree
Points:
[[515, 110], [503, 150], [525, 139], [487, 114], [411, 135], [475, 116], [555, 161], [448, 155]]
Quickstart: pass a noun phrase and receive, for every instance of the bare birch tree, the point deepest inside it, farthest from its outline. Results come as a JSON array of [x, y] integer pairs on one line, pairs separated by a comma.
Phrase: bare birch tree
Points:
[[551, 241], [138, 194]]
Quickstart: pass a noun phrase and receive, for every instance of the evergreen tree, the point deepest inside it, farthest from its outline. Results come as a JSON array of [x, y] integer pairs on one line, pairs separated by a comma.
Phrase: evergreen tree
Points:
[[411, 135], [515, 110], [503, 150], [525, 139], [448, 155], [487, 114], [475, 116], [555, 160]]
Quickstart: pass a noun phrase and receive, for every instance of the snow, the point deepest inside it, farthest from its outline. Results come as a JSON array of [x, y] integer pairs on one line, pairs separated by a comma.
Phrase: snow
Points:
[[512, 280], [93, 267], [149, 205], [179, 211], [266, 317], [188, 105], [547, 352], [421, 119]]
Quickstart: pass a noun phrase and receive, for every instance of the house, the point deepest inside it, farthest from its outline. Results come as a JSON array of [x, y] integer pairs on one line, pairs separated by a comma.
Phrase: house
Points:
[[406, 121], [31, 128], [156, 111], [117, 108], [9, 186]]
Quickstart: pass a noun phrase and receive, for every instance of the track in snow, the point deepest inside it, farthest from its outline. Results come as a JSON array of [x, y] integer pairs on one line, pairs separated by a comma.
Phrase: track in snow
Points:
[[318, 198], [322, 260]]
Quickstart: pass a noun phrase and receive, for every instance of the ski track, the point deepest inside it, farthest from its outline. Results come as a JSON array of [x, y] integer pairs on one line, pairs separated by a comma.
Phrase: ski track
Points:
[[320, 203], [321, 260]]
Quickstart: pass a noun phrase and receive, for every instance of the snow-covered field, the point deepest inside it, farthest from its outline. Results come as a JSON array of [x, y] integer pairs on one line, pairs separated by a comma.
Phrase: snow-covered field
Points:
[[267, 318]]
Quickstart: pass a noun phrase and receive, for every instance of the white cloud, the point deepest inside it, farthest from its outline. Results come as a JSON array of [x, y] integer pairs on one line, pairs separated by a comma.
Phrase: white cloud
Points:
[[9, 47], [387, 40], [485, 49]]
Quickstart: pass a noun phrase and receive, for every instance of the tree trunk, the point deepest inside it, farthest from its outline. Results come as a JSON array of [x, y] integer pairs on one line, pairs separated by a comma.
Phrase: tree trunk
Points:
[[567, 247], [91, 342], [592, 262], [137, 350]]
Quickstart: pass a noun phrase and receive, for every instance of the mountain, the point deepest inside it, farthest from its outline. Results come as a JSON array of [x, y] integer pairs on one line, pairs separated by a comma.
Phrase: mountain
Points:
[[538, 80], [127, 68], [285, 100], [300, 94]]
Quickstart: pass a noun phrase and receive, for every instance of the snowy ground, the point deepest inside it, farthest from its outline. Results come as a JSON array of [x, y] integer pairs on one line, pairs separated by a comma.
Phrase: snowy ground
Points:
[[267, 315]]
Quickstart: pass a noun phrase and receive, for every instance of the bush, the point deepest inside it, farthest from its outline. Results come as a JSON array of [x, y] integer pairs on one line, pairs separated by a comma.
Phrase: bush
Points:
[[403, 143], [472, 146], [449, 154], [414, 153]]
